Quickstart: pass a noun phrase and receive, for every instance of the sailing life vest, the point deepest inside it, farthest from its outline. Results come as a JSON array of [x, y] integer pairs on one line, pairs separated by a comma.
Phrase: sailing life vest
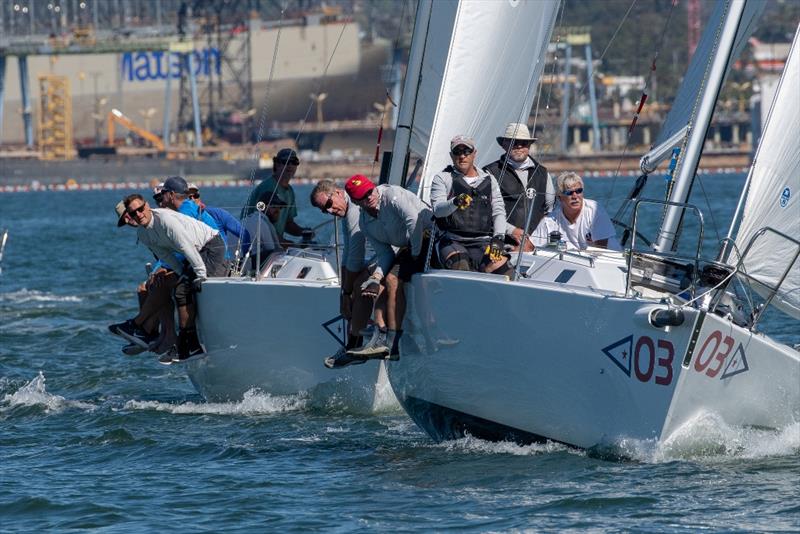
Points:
[[517, 203], [476, 220]]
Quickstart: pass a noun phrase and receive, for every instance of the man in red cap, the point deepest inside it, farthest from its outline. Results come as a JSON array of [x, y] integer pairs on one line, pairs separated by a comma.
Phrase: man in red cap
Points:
[[390, 217]]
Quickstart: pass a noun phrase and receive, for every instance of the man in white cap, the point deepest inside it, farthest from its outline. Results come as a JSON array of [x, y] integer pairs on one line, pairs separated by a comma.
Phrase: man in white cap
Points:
[[516, 171]]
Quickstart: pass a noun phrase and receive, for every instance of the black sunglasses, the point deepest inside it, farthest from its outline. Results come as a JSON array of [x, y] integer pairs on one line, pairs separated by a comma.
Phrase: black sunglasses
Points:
[[134, 211], [328, 204], [465, 151], [568, 193]]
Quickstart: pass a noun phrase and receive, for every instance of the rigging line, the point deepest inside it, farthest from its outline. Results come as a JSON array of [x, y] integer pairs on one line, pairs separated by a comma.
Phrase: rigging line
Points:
[[708, 204], [263, 115], [320, 85], [391, 102], [642, 100], [522, 112]]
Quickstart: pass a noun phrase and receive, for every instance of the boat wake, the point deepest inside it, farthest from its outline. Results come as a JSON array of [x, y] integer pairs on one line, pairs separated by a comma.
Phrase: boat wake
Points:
[[708, 437], [34, 394], [471, 444], [254, 402]]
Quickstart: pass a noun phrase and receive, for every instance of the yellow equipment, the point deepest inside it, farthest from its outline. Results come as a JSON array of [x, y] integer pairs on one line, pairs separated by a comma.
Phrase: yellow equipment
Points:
[[55, 117], [115, 116]]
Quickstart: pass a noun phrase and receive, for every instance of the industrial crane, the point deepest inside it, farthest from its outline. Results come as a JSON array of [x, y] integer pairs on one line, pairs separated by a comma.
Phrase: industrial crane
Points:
[[115, 116]]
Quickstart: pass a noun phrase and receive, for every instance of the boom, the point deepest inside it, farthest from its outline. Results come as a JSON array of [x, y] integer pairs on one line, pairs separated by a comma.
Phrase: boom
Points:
[[116, 116]]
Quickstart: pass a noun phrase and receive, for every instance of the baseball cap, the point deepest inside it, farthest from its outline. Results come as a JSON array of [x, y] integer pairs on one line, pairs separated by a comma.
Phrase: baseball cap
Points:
[[285, 155], [462, 140], [358, 186], [192, 186], [175, 184]]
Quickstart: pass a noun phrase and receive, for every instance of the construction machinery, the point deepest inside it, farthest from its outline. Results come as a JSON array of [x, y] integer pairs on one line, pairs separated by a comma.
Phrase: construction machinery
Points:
[[115, 117]]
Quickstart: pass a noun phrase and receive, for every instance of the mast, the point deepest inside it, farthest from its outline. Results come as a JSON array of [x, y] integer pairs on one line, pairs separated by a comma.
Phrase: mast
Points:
[[667, 238], [410, 88]]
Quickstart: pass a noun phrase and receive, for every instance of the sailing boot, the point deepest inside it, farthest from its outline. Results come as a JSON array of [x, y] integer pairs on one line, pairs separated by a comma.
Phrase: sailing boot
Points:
[[343, 358], [393, 341], [376, 347], [188, 345]]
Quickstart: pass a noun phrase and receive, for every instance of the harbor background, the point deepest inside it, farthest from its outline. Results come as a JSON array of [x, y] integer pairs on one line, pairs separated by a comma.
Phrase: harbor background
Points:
[[94, 439]]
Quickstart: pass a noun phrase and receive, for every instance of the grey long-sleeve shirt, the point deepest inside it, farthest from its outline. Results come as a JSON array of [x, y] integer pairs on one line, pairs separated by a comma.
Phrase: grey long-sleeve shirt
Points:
[[354, 240], [442, 185], [170, 232], [402, 219]]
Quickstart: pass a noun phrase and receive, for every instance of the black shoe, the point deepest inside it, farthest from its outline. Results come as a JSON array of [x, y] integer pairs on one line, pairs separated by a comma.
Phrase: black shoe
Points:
[[133, 333], [342, 358], [166, 358], [132, 349]]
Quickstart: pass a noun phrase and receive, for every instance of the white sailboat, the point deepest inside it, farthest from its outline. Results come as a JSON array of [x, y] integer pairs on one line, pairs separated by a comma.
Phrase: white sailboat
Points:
[[593, 347], [271, 332]]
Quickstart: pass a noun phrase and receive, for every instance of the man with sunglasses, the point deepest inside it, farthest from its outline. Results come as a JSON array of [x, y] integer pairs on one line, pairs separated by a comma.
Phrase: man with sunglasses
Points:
[[469, 208], [516, 171], [168, 233], [392, 218], [582, 222], [278, 184], [332, 200]]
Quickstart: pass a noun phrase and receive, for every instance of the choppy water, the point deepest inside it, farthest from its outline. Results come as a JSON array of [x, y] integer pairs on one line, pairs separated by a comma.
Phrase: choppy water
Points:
[[92, 439]]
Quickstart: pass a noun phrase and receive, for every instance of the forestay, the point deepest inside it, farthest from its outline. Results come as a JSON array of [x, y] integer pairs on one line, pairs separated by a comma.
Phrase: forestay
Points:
[[480, 70], [691, 88], [772, 197]]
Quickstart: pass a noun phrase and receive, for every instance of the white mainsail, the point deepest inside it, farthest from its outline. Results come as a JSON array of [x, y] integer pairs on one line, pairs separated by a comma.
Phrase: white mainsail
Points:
[[772, 197], [480, 70]]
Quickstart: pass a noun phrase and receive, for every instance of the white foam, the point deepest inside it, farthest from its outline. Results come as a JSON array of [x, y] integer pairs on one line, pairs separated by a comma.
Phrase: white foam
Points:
[[25, 295], [254, 402], [34, 394], [709, 437], [472, 444]]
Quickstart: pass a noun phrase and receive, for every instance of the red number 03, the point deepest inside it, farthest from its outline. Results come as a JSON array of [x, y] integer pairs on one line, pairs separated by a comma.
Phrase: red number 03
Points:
[[716, 355], [645, 360]]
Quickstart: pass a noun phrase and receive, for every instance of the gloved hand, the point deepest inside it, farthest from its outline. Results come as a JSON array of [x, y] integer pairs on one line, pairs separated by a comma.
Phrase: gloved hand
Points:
[[496, 248], [197, 284], [462, 201], [370, 287]]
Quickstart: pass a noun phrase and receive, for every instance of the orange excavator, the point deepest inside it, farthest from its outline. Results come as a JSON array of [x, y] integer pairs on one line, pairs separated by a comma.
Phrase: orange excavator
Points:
[[115, 116]]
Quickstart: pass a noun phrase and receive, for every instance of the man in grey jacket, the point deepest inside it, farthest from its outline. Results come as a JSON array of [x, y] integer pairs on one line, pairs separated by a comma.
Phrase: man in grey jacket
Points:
[[192, 249], [355, 270], [390, 217]]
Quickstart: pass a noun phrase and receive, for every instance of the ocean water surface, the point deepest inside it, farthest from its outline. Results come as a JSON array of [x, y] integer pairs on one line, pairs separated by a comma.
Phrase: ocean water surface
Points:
[[91, 439]]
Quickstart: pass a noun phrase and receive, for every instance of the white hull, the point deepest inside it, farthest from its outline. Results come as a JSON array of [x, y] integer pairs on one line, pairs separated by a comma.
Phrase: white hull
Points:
[[550, 378], [268, 335]]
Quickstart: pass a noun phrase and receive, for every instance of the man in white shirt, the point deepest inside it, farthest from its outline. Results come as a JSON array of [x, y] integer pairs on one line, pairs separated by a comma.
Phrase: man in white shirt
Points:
[[582, 222], [167, 233]]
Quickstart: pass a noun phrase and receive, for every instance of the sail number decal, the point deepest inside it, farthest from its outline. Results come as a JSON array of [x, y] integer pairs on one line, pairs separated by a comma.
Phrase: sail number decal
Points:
[[718, 355], [647, 359]]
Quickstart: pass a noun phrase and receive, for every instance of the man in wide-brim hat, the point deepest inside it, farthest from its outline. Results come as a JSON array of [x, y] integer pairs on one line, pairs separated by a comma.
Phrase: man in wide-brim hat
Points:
[[516, 171]]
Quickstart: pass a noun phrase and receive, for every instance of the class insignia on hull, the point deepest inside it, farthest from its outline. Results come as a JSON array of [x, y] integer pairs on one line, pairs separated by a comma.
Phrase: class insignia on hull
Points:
[[619, 352], [737, 364]]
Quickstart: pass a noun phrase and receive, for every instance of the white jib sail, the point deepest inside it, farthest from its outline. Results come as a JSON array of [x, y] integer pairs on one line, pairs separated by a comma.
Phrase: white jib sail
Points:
[[480, 71], [773, 198], [694, 79]]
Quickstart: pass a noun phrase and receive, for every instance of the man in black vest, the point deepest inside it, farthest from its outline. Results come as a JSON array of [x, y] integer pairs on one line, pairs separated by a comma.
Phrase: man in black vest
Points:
[[469, 208], [517, 171]]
